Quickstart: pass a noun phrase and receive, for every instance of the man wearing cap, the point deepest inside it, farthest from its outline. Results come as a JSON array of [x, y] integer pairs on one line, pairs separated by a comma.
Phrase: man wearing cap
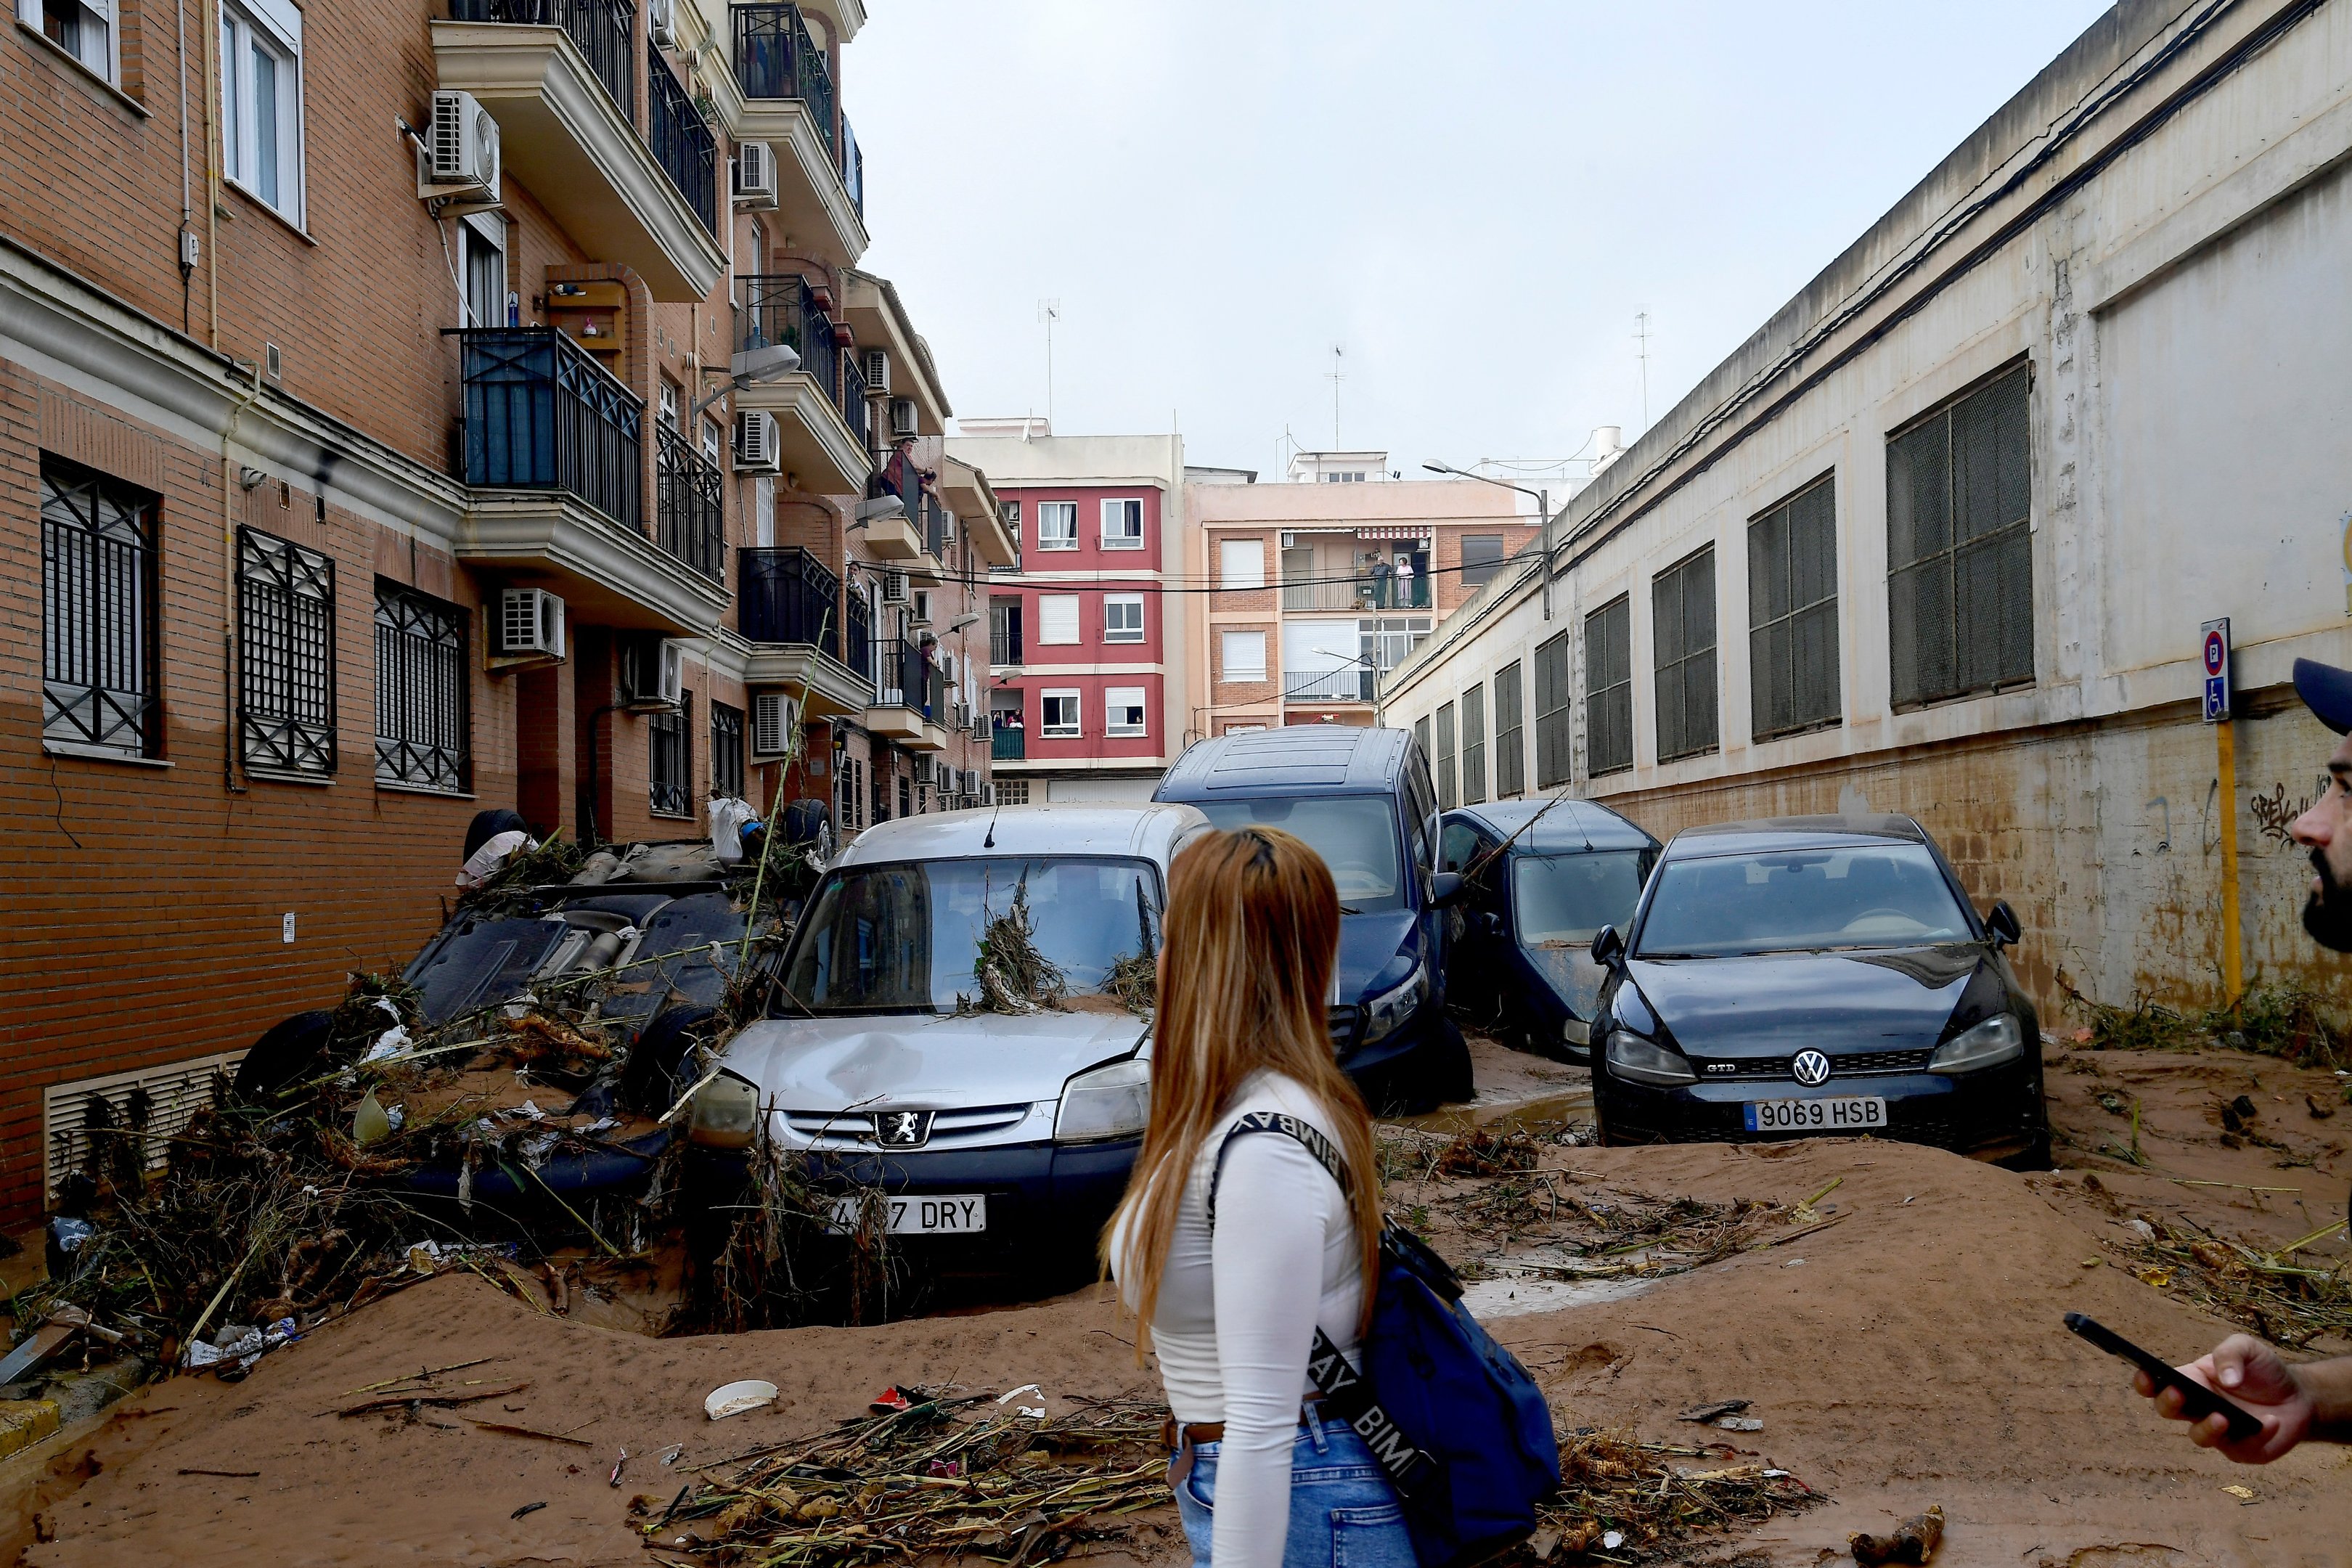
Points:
[[2308, 1400]]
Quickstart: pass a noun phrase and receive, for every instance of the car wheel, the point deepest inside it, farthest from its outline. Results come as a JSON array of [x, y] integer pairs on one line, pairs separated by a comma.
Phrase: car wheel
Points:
[[1443, 1075], [287, 1052], [654, 1075]]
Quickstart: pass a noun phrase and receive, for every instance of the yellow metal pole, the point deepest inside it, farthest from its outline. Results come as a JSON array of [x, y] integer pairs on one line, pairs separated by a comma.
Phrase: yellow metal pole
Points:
[[2232, 976]]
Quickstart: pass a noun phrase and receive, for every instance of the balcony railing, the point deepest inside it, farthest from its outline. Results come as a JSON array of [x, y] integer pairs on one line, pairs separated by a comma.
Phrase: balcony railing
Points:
[[681, 141], [935, 528], [542, 414], [776, 57], [780, 309], [606, 31], [1348, 593], [853, 168], [688, 521], [1004, 644], [905, 678], [857, 636], [1007, 745], [790, 596], [1352, 684]]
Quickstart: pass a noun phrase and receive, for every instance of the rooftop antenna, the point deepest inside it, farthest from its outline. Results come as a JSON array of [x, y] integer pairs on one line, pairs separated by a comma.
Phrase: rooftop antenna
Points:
[[1336, 377], [1049, 311], [1642, 337]]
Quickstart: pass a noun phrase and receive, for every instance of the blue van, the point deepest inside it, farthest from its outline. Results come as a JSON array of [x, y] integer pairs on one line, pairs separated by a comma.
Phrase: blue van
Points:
[[1363, 799]]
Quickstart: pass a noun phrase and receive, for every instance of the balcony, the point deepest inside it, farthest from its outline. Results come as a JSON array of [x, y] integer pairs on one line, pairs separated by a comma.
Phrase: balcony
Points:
[[558, 79], [689, 523], [1006, 745], [1353, 684], [910, 700], [818, 439], [552, 447], [967, 489], [900, 540], [788, 607], [681, 141], [1348, 593], [857, 637], [781, 91], [1004, 645]]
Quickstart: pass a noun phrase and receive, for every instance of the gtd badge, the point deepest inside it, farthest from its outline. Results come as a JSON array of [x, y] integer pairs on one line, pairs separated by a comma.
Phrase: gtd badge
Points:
[[1812, 1068], [907, 1129]]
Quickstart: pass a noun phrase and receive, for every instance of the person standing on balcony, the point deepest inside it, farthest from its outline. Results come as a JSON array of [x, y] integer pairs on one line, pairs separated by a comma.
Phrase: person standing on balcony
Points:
[[1403, 579], [1233, 1295], [1380, 575]]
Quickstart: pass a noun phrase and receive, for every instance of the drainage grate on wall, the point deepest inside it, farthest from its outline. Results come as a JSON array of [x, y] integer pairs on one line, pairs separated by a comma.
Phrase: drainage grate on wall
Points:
[[91, 1124]]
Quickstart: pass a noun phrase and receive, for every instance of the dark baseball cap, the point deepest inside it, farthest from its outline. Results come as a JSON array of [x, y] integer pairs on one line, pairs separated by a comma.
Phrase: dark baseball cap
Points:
[[2327, 692]]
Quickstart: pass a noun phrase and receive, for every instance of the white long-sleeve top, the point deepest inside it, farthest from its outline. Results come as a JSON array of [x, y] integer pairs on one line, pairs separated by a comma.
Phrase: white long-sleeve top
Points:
[[1239, 1307]]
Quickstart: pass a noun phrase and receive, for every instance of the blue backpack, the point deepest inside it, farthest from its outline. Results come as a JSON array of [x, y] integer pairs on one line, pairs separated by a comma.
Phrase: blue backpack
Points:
[[1454, 1420]]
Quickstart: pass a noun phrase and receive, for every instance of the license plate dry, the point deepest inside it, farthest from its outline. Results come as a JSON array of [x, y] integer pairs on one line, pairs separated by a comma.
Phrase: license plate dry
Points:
[[956, 1214], [1857, 1113]]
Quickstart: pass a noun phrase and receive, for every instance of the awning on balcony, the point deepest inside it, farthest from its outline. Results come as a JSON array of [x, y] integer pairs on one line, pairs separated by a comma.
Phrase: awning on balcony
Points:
[[561, 135]]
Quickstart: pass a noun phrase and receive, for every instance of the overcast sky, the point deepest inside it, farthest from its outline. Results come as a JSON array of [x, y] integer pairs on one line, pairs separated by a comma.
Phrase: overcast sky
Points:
[[1473, 199]]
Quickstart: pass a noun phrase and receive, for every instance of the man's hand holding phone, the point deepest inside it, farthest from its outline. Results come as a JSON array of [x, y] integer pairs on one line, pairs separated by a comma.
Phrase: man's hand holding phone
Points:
[[2251, 1373]]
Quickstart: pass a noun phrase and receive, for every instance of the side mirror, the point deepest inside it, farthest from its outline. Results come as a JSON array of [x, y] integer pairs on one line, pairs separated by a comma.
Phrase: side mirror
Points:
[[1607, 947], [2002, 921], [1444, 889]]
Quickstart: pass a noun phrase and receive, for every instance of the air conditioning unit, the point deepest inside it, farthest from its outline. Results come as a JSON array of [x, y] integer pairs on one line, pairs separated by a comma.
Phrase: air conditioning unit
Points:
[[661, 22], [652, 673], [462, 150], [530, 621], [876, 366], [755, 443], [774, 716], [894, 588], [923, 614], [980, 729], [926, 771], [988, 794], [902, 416], [755, 176]]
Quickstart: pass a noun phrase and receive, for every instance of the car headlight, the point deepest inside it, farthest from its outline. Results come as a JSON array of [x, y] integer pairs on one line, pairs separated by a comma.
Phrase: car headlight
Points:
[[1989, 1044], [1576, 1032], [726, 1113], [1389, 1011], [1646, 1061], [1112, 1102]]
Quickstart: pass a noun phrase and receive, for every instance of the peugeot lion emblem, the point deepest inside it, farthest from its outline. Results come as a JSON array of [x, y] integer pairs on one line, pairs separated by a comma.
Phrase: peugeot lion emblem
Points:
[[902, 1129], [1812, 1067]]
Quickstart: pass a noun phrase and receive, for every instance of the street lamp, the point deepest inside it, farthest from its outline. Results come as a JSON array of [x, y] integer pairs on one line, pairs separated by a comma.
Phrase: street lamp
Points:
[[1543, 505]]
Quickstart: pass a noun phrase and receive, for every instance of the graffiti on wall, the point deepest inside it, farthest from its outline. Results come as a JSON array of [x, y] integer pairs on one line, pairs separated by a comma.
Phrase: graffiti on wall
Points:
[[2274, 814]]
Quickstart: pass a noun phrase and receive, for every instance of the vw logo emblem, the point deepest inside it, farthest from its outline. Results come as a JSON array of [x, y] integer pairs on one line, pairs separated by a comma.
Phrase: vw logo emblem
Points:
[[1812, 1068]]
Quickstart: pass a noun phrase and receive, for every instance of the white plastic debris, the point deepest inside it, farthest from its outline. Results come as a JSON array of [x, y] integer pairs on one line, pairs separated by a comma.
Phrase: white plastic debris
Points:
[[1034, 1412], [1741, 1423], [2142, 1229], [390, 1043], [483, 862], [1613, 1540], [734, 1398], [727, 818]]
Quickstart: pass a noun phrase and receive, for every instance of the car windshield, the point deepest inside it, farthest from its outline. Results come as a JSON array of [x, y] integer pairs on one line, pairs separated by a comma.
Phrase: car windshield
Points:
[[1560, 901], [1356, 835], [905, 937], [1787, 901]]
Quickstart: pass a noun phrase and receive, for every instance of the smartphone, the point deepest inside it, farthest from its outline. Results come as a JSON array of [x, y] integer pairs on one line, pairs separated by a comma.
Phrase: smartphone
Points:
[[2195, 1397]]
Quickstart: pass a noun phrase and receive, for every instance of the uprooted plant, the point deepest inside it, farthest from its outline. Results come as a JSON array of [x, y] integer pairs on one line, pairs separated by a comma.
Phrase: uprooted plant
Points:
[[1014, 974]]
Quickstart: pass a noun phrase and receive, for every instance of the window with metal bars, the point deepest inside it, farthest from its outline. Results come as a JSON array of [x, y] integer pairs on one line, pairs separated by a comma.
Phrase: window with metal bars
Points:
[[421, 671], [1445, 795], [286, 655], [1608, 688], [1960, 546], [1473, 745], [100, 673], [1792, 604], [669, 775], [726, 751], [1555, 705], [1681, 646], [1510, 742]]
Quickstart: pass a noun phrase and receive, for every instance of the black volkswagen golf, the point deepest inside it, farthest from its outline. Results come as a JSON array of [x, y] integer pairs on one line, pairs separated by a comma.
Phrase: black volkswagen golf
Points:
[[1816, 974]]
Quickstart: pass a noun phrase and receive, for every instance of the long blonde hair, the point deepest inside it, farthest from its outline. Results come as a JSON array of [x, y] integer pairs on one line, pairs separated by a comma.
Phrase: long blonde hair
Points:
[[1250, 936]]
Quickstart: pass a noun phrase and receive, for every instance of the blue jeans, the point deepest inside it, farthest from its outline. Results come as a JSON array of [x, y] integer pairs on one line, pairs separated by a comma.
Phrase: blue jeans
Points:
[[1343, 1512]]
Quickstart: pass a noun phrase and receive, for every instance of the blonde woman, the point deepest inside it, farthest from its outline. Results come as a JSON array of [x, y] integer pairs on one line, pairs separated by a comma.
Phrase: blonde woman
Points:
[[1230, 1305]]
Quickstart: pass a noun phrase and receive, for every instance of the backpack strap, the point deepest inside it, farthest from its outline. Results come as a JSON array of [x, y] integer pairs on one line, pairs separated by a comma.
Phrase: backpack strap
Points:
[[1300, 1130]]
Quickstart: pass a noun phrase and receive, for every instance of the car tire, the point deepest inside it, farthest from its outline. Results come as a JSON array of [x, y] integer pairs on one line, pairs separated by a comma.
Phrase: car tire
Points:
[[651, 1081], [287, 1052], [1441, 1075]]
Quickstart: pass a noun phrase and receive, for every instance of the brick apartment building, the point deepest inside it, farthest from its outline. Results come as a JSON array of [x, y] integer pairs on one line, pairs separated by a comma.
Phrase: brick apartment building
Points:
[[1086, 657], [392, 426], [1327, 581]]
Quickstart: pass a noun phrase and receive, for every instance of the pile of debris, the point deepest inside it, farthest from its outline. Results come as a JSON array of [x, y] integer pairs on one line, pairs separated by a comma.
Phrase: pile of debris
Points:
[[2281, 1021], [1013, 973], [951, 1473], [1623, 1502], [2273, 1294]]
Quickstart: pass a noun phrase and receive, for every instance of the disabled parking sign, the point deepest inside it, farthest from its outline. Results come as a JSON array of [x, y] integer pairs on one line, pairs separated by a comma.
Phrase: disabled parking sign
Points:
[[2216, 654]]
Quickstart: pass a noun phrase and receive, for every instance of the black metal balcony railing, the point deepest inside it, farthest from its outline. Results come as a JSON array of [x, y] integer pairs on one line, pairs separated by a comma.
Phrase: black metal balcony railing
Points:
[[780, 309], [687, 510], [935, 699], [790, 596], [1007, 745], [853, 168], [542, 414], [935, 528], [857, 636], [1004, 643], [681, 141], [904, 678], [776, 57], [852, 399], [604, 30]]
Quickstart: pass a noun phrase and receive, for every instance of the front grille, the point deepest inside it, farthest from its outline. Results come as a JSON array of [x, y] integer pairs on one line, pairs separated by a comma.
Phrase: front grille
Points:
[[1859, 1064], [1347, 1025], [854, 1128]]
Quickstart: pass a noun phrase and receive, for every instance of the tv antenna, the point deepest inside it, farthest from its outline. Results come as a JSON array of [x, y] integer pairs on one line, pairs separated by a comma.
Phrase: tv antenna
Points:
[[1336, 377], [1049, 311], [1642, 354]]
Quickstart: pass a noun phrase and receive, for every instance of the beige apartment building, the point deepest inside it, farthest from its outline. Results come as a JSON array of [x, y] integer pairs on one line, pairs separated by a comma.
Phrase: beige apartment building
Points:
[[412, 408], [1322, 581]]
